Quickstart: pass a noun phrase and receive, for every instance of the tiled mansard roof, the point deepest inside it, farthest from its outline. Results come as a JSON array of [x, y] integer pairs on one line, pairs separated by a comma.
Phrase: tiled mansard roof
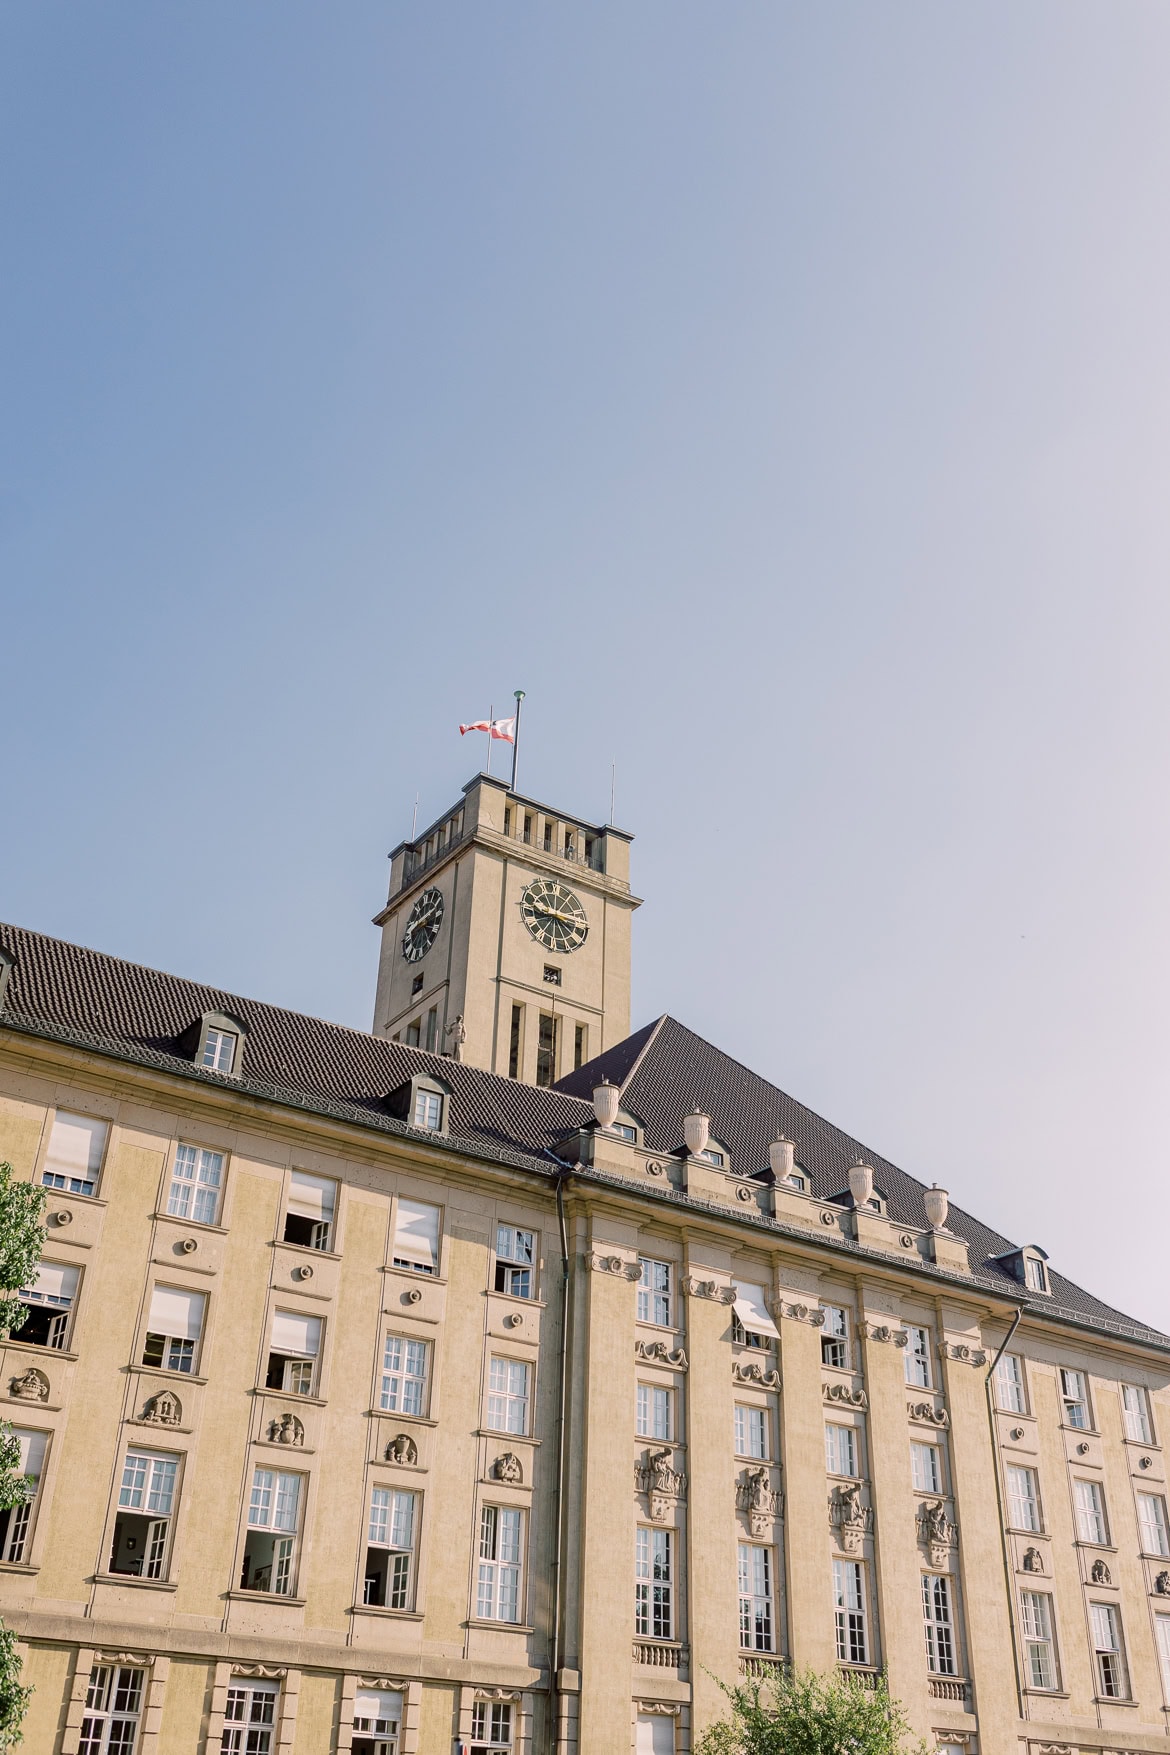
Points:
[[664, 1070]]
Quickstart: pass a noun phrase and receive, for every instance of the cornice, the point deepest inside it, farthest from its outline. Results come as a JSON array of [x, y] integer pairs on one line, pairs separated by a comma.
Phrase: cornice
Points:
[[574, 871]]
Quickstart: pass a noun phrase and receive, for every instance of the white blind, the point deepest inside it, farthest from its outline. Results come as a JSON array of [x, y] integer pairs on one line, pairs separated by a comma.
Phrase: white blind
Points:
[[416, 1233], [377, 1703], [311, 1197], [55, 1280], [655, 1734], [751, 1309], [76, 1145], [176, 1313], [32, 1452], [296, 1334]]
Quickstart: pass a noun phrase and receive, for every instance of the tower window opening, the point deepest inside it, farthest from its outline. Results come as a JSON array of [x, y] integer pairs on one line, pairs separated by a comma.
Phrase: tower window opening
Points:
[[528, 827], [413, 1032], [433, 1028], [546, 1050], [514, 1042], [552, 975], [580, 1038], [548, 836], [507, 819]]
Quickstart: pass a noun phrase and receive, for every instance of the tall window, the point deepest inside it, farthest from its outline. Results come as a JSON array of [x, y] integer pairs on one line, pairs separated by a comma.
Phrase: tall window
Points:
[[432, 1036], [196, 1179], [113, 1710], [926, 1468], [1023, 1499], [850, 1612], [48, 1303], [249, 1718], [514, 1042], [1009, 1384], [835, 1337], [515, 1260], [219, 1050], [174, 1324], [416, 1237], [1162, 1636], [146, 1504], [1152, 1524], [756, 1631], [491, 1727], [508, 1392], [16, 1522], [501, 1537], [293, 1352], [546, 1049], [1074, 1398], [1039, 1650], [74, 1158], [270, 1545], [404, 1376], [917, 1357], [580, 1051], [390, 1552], [377, 1721], [1135, 1405], [1035, 1275], [751, 1431], [940, 1626], [840, 1450], [653, 1583], [1108, 1652], [655, 1292], [308, 1218], [1090, 1503], [655, 1412]]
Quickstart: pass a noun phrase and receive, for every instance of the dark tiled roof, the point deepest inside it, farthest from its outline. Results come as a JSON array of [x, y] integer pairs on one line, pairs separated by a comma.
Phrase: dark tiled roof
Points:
[[666, 1071]]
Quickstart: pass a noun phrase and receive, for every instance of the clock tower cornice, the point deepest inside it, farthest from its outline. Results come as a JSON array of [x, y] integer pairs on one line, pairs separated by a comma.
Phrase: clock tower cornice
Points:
[[583, 877]]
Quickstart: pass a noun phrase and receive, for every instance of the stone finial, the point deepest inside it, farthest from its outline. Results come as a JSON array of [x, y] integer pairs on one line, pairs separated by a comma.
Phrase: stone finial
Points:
[[782, 1158], [605, 1103], [937, 1202], [696, 1131], [861, 1184]]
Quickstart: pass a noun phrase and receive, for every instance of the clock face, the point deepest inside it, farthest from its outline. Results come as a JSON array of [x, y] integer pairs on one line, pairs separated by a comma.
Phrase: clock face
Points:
[[552, 914], [422, 929]]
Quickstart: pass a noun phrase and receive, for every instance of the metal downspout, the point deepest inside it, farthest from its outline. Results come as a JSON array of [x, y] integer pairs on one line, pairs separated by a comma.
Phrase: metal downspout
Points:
[[555, 1657], [1009, 1579]]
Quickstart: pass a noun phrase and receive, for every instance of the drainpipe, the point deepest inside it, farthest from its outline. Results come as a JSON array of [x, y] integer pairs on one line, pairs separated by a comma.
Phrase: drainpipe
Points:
[[562, 1431], [1009, 1578]]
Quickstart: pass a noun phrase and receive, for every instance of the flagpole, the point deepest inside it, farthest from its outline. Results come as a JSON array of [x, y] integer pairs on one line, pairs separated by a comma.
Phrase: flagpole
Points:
[[491, 716], [516, 738]]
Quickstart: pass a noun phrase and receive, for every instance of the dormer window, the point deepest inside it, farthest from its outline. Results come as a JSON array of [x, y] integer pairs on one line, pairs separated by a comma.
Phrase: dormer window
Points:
[[1029, 1266], [625, 1131], [7, 964], [423, 1102], [713, 1156], [428, 1110], [798, 1178], [1035, 1276], [219, 1050], [216, 1043]]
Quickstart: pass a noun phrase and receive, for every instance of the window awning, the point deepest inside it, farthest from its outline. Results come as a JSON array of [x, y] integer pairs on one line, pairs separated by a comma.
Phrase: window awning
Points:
[[378, 1704], [416, 1233], [300, 1335], [55, 1283], [32, 1452], [76, 1145], [176, 1313], [752, 1310], [311, 1197]]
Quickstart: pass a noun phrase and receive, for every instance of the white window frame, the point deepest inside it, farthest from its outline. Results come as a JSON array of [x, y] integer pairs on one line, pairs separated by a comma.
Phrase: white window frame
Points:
[[516, 1255], [243, 1730], [509, 1397], [427, 1113], [384, 1726], [1023, 1495], [655, 1292], [392, 1526], [654, 1416], [1039, 1640], [851, 1611], [938, 1612], [1092, 1519], [1076, 1410], [757, 1608], [751, 1432], [835, 1337], [1135, 1409], [841, 1447], [1109, 1663], [936, 1484], [653, 1582], [114, 1702], [917, 1357], [60, 1302], [1162, 1646], [1152, 1524], [1011, 1388], [268, 1512], [313, 1200], [219, 1049], [499, 1583], [195, 1187], [493, 1727], [67, 1173], [149, 1488], [179, 1351], [405, 1376], [18, 1531]]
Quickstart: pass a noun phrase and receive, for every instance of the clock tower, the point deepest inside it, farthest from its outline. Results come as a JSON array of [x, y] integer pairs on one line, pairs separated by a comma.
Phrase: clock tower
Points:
[[506, 936]]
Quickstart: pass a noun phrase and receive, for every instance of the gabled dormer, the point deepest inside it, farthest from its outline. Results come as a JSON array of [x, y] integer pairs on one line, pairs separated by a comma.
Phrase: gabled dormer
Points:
[[215, 1042], [1029, 1265], [424, 1101]]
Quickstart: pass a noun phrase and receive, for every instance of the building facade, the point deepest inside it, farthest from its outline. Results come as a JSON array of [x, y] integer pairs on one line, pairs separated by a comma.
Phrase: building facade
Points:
[[380, 1403]]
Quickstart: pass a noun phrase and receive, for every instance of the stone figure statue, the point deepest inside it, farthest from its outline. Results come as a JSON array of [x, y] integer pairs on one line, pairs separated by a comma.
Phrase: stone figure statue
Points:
[[457, 1032]]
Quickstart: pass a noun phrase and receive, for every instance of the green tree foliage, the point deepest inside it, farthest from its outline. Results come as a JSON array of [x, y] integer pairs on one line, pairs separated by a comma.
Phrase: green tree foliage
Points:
[[22, 1237], [807, 1714]]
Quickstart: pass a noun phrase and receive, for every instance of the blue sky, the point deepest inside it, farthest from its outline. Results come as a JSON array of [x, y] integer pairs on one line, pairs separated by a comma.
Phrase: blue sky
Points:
[[778, 394]]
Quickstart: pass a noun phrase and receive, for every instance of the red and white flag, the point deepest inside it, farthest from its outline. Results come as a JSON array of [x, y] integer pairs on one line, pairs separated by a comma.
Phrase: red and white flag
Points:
[[502, 728]]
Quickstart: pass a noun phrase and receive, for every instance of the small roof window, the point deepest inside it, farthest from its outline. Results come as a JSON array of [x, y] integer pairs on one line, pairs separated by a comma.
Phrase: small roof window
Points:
[[423, 1101], [1028, 1265], [216, 1043]]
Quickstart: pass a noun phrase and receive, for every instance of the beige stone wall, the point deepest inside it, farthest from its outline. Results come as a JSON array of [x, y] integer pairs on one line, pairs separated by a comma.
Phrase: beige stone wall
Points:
[[195, 1630]]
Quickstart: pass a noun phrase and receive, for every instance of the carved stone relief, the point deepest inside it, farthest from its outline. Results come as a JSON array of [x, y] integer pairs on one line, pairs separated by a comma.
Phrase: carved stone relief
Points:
[[881, 1331], [756, 1495], [663, 1485], [852, 1520], [498, 1694], [708, 1289], [937, 1532], [1099, 1573], [163, 1409], [842, 1393], [613, 1264], [286, 1429], [31, 1386], [392, 1684], [669, 1708], [261, 1672], [402, 1449], [962, 1352], [1033, 1560], [802, 1313], [658, 1353], [508, 1468], [928, 1413], [1162, 1584], [136, 1660], [759, 1375]]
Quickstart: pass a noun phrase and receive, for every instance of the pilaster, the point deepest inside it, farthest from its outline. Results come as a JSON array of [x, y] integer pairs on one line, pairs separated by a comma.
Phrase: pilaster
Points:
[[807, 1552], [711, 1524], [899, 1562]]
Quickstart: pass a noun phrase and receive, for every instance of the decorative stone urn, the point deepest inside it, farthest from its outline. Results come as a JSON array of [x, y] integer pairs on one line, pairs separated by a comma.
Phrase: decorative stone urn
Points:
[[697, 1131], [861, 1183], [782, 1158], [605, 1103], [937, 1202]]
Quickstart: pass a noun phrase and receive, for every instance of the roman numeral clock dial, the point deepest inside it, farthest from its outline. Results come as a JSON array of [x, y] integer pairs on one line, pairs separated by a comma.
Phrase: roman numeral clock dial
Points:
[[553, 915], [422, 927]]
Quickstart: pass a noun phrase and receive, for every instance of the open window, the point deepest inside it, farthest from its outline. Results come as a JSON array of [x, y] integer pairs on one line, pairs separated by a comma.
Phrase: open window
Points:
[[416, 1237], [146, 1507], [309, 1211], [174, 1327], [515, 1261], [293, 1352], [389, 1581], [16, 1522], [751, 1323], [48, 1303], [73, 1161], [835, 1337], [377, 1721], [270, 1547]]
